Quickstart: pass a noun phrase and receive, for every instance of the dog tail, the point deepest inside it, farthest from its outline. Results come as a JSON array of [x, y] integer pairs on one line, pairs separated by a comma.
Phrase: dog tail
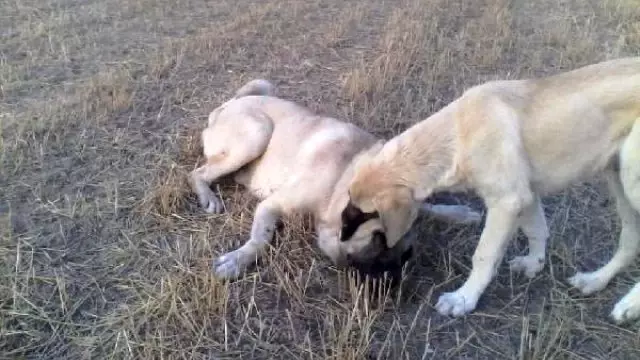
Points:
[[256, 87]]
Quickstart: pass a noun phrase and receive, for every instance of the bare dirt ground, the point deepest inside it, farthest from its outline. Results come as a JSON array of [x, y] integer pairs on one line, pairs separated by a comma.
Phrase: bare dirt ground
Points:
[[104, 253]]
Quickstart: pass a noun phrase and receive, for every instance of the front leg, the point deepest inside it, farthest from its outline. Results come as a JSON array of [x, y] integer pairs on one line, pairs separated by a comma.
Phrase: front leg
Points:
[[232, 264], [534, 225], [499, 228]]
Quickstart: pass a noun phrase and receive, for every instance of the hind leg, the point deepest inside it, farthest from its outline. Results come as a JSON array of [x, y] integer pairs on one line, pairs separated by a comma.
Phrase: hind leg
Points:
[[628, 243], [228, 148], [534, 225], [628, 308], [630, 167]]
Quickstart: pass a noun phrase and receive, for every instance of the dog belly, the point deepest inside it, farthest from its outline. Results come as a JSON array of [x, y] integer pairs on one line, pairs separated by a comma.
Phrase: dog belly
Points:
[[277, 167], [570, 143], [554, 172]]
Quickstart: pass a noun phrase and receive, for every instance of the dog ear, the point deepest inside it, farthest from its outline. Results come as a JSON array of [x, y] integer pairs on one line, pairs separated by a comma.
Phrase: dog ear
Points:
[[400, 210]]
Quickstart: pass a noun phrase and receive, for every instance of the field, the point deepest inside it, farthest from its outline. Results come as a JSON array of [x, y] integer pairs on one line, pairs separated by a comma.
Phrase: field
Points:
[[105, 254]]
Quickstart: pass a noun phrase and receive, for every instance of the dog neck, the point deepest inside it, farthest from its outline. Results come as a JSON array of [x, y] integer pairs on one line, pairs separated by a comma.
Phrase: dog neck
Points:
[[423, 157]]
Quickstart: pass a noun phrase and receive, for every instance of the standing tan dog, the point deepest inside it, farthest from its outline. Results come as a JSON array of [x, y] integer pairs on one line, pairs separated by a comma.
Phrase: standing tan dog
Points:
[[511, 142], [294, 161]]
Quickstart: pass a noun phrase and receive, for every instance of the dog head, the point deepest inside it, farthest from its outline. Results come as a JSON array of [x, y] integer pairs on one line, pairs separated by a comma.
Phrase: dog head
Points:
[[376, 195], [364, 240], [375, 215]]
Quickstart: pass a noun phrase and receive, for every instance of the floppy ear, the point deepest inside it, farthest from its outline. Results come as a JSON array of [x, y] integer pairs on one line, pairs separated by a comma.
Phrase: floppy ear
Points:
[[398, 215]]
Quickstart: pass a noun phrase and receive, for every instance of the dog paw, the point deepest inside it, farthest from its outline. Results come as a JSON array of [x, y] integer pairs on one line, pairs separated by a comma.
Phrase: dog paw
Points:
[[588, 283], [211, 203], [627, 309], [530, 266], [456, 303], [229, 265]]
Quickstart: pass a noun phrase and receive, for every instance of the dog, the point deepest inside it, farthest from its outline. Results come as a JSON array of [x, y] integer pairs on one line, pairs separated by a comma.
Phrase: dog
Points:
[[512, 141], [294, 161]]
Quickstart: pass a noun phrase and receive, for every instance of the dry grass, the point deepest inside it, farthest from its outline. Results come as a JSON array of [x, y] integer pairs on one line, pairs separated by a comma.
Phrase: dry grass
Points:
[[104, 253]]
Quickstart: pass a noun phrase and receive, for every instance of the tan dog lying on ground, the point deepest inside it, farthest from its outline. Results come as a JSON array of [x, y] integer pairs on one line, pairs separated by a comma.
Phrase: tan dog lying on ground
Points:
[[294, 161], [511, 142]]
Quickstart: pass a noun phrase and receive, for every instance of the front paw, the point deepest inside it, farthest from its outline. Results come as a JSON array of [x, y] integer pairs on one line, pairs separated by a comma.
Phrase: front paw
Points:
[[230, 265], [627, 309], [529, 265], [588, 283], [456, 303], [210, 202]]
